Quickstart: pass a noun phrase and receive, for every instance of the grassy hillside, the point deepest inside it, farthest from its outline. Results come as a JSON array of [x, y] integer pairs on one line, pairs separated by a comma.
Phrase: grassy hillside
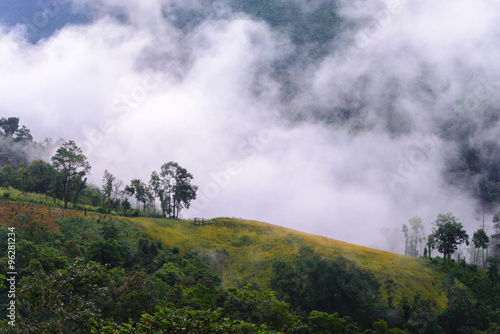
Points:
[[243, 251], [252, 246]]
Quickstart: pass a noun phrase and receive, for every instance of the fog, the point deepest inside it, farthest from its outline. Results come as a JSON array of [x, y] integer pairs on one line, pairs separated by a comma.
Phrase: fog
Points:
[[135, 91]]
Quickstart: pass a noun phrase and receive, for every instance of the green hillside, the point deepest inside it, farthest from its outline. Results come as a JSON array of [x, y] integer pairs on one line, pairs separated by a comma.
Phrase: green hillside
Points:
[[252, 246], [144, 275]]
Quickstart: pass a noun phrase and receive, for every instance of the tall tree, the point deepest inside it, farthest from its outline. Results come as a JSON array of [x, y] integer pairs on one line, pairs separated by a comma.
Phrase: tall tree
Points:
[[405, 231], [24, 179], [416, 235], [159, 189], [431, 244], [23, 135], [448, 234], [107, 188], [72, 164], [140, 191], [176, 187], [117, 192], [496, 236], [480, 240]]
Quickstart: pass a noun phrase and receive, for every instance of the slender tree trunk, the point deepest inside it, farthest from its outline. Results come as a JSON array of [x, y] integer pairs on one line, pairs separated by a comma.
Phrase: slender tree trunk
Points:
[[65, 194]]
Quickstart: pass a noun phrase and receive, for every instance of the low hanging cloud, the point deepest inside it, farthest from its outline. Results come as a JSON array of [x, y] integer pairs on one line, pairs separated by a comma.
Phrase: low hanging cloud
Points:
[[354, 149]]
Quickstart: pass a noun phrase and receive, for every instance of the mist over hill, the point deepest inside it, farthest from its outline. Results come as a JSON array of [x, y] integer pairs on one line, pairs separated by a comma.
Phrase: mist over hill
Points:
[[338, 118]]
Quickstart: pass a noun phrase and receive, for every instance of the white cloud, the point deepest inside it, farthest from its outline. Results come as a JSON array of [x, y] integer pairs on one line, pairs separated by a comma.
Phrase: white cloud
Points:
[[139, 94]]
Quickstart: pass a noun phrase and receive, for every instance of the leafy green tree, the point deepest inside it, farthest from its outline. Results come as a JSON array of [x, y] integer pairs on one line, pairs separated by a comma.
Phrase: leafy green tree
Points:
[[431, 244], [140, 189], [48, 303], [407, 243], [169, 273], [52, 259], [480, 240], [333, 286], [496, 226], [160, 188], [461, 311], [9, 125], [147, 250], [9, 177], [76, 188], [258, 308], [41, 174], [174, 189], [106, 252], [71, 249], [23, 135], [449, 233], [126, 206], [416, 235], [138, 294], [107, 188], [72, 164], [24, 180]]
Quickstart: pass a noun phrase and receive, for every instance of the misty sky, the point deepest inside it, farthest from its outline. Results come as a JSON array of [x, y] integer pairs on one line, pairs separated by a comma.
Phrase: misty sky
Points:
[[135, 91]]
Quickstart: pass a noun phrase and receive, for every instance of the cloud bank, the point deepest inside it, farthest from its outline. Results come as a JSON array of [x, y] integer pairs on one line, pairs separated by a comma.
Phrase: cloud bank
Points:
[[341, 145]]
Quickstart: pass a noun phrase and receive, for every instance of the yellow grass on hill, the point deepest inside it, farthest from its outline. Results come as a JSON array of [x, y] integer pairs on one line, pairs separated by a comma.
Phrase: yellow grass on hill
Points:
[[253, 245]]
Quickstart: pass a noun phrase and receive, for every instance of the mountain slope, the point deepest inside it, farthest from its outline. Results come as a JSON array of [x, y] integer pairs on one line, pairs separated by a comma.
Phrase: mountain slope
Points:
[[251, 246]]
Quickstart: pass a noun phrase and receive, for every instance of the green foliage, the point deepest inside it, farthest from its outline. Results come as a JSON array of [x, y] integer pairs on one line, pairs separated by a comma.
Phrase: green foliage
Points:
[[333, 291], [147, 250], [9, 125], [461, 311], [71, 249], [258, 308], [52, 259], [173, 188], [139, 293], [34, 266], [448, 234], [9, 177], [332, 286], [49, 302], [324, 323], [109, 230], [107, 252], [73, 166], [173, 321], [169, 273], [381, 327]]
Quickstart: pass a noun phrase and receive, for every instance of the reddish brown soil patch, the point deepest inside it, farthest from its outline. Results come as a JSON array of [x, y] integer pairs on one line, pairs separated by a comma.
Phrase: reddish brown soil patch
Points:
[[41, 214]]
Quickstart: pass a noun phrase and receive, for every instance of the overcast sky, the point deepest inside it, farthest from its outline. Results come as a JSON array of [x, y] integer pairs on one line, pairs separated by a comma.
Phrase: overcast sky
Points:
[[136, 93]]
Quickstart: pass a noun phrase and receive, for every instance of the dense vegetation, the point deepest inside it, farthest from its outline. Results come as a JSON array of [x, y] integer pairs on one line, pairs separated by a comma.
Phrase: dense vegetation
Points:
[[102, 275]]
